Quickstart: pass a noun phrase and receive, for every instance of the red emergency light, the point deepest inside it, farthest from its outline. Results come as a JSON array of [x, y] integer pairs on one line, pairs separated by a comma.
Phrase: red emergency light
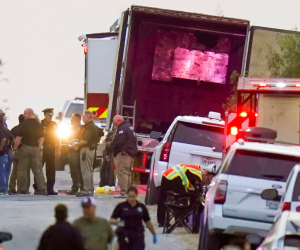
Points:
[[243, 114], [298, 85], [85, 48], [234, 130], [256, 114], [262, 84]]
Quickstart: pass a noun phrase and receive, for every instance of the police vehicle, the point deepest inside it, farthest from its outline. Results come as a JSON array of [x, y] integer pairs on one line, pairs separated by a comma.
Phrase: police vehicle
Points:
[[189, 140]]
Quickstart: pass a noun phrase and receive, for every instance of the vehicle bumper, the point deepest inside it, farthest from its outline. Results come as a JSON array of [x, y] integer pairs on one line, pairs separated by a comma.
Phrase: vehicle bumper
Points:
[[159, 169], [228, 225]]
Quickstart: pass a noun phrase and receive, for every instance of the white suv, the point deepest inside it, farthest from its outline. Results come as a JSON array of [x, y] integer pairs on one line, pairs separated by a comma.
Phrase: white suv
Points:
[[233, 204], [290, 201], [189, 140], [284, 234]]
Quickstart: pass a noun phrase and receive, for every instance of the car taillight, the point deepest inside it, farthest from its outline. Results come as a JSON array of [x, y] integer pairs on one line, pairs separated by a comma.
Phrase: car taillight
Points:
[[286, 206], [220, 196], [165, 152]]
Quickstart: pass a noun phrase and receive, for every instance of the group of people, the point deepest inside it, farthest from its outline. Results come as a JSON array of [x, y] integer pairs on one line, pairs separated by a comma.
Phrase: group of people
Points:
[[82, 149], [33, 144], [90, 232], [23, 146]]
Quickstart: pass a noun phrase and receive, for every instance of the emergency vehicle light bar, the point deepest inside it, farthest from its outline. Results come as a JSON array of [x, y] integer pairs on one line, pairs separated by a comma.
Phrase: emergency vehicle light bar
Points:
[[247, 84]]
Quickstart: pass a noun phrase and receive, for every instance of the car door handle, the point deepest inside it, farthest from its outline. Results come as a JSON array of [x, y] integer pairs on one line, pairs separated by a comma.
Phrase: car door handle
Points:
[[208, 154]]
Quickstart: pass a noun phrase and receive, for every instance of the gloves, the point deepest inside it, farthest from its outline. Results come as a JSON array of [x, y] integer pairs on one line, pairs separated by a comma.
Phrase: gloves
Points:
[[154, 239]]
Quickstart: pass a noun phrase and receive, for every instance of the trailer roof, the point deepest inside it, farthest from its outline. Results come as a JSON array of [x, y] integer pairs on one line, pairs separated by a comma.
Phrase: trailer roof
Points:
[[190, 15], [268, 85]]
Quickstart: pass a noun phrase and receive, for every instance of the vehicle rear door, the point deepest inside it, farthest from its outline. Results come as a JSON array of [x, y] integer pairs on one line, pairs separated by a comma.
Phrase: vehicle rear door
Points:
[[249, 173], [116, 77], [196, 144], [295, 206]]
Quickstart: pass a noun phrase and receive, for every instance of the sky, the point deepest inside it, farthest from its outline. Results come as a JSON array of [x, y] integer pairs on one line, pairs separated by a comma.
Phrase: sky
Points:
[[42, 57]]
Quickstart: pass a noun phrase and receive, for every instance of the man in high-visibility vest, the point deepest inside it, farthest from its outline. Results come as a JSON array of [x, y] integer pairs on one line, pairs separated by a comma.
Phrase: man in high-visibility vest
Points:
[[177, 179]]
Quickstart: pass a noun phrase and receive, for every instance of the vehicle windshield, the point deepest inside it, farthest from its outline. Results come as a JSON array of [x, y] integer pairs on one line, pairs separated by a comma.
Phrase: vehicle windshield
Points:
[[262, 165], [200, 135], [74, 108], [292, 241]]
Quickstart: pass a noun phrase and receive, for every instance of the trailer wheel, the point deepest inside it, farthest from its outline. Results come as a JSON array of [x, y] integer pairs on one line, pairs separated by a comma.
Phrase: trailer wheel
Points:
[[152, 193]]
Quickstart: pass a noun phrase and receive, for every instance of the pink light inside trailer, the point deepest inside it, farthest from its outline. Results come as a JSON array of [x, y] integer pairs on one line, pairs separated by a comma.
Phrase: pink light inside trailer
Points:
[[201, 66]]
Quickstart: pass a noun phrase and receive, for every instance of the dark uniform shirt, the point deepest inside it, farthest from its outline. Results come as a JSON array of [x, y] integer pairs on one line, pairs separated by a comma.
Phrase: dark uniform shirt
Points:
[[51, 137], [31, 131], [61, 236], [5, 134], [15, 130], [89, 134], [132, 216], [124, 140]]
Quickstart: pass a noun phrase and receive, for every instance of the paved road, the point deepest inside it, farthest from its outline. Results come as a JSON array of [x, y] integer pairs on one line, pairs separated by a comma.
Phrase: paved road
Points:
[[27, 216]]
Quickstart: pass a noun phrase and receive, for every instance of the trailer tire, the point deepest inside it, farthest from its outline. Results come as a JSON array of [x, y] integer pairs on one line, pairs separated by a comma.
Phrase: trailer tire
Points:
[[152, 193]]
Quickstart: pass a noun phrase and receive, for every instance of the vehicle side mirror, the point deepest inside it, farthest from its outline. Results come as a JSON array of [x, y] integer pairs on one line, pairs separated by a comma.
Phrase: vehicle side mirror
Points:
[[269, 194], [155, 135], [5, 237]]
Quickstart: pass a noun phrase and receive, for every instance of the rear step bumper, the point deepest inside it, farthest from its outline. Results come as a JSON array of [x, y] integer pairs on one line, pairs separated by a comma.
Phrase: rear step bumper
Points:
[[238, 226], [142, 170]]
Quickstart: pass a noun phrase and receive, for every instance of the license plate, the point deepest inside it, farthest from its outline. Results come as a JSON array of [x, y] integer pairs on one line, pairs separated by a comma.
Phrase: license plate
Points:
[[208, 161], [272, 205]]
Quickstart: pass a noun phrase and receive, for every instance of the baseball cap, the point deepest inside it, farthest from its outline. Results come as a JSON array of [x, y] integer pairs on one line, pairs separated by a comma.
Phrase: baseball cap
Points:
[[88, 201]]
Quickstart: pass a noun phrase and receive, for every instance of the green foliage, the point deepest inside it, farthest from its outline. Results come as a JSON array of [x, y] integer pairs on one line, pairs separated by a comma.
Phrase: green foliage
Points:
[[231, 101], [285, 63]]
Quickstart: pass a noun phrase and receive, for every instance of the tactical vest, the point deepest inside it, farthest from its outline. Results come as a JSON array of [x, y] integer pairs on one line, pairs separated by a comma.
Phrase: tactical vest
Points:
[[180, 170]]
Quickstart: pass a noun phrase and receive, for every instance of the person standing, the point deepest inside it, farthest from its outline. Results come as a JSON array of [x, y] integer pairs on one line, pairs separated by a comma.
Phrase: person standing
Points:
[[74, 156], [31, 134], [132, 214], [124, 147], [87, 145], [4, 117], [5, 142], [96, 231], [51, 149], [13, 176], [62, 235], [106, 172]]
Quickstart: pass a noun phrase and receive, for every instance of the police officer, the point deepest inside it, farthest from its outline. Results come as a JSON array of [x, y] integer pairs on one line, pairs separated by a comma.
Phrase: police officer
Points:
[[87, 146], [74, 155], [51, 149], [176, 179], [124, 147], [132, 213]]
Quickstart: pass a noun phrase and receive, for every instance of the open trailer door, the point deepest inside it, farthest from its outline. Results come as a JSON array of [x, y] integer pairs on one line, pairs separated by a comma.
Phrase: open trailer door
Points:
[[261, 40], [114, 89]]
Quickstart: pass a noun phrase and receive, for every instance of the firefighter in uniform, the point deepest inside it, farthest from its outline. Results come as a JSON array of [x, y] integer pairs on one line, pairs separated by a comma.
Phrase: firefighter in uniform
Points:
[[51, 149], [177, 179]]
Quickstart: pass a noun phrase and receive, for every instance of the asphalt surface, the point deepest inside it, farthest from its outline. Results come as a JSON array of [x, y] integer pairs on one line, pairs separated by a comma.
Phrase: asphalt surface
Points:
[[27, 216]]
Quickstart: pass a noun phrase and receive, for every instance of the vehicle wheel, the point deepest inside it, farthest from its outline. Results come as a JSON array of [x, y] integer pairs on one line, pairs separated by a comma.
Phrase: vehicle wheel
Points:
[[208, 241], [152, 193]]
